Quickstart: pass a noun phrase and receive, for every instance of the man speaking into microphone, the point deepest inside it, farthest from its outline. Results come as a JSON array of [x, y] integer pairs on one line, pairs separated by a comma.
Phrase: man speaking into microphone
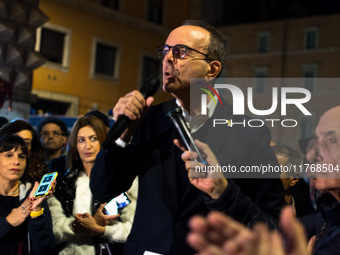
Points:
[[167, 198]]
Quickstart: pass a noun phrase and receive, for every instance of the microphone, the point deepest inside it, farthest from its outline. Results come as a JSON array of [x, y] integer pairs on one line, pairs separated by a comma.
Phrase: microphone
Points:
[[182, 129], [149, 88]]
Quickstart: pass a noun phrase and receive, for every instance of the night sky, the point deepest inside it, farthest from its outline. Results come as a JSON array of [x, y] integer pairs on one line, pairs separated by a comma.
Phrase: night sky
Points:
[[244, 11]]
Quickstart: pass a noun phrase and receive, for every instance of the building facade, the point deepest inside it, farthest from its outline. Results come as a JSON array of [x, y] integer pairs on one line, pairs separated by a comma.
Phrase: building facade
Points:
[[304, 51], [98, 50]]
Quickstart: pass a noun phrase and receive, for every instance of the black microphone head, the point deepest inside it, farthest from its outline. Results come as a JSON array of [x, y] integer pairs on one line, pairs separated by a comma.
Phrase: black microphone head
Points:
[[150, 86]]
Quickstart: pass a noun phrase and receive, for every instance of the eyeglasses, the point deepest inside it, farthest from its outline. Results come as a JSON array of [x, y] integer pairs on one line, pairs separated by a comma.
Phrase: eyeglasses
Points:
[[178, 51], [54, 133]]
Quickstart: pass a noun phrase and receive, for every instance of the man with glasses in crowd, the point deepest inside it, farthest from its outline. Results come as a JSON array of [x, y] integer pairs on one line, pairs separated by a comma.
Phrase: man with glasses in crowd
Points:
[[167, 198], [53, 136]]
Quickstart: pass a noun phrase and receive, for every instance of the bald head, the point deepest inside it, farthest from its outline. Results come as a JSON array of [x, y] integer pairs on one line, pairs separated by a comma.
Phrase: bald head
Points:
[[331, 116], [326, 151], [216, 45]]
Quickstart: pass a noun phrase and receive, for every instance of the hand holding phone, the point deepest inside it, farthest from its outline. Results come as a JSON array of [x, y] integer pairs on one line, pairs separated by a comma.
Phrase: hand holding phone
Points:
[[117, 204], [45, 184]]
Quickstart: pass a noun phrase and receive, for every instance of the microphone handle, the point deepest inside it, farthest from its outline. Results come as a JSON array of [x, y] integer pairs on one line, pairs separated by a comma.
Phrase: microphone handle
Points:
[[149, 88], [181, 132], [195, 149], [119, 127], [184, 133]]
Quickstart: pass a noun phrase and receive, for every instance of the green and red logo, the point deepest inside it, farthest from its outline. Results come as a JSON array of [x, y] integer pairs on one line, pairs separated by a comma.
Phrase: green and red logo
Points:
[[210, 94]]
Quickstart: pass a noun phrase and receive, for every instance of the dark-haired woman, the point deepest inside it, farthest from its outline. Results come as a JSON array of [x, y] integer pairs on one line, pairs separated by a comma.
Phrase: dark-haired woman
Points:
[[79, 224], [22, 128], [25, 221]]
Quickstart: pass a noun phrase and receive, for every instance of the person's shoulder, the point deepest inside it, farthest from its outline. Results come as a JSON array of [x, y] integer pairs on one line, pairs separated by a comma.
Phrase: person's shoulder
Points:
[[160, 110], [164, 106], [227, 110], [155, 121], [58, 165], [253, 125]]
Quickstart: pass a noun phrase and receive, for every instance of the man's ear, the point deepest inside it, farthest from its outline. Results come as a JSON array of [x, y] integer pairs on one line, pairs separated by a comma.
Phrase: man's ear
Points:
[[215, 68]]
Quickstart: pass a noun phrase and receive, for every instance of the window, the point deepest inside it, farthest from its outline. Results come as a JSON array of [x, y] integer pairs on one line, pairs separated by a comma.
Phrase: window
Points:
[[260, 80], [310, 73], [213, 12], [54, 43], [154, 11], [311, 38], [114, 4], [63, 101], [263, 42], [151, 66], [105, 57]]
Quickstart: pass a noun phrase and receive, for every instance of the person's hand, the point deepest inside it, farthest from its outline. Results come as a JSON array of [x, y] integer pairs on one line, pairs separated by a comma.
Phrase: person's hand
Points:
[[134, 106], [18, 215], [212, 183], [37, 201], [311, 245], [218, 234], [86, 224], [103, 219], [293, 232], [291, 240]]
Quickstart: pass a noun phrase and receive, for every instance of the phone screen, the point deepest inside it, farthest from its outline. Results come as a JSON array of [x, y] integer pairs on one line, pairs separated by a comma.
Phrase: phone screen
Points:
[[45, 184], [117, 204]]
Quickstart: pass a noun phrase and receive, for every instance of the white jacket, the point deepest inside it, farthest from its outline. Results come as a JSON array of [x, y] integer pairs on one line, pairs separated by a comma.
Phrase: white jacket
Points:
[[82, 244]]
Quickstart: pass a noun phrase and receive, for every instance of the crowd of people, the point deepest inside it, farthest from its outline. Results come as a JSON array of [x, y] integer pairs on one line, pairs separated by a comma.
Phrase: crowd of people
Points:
[[71, 221], [175, 211]]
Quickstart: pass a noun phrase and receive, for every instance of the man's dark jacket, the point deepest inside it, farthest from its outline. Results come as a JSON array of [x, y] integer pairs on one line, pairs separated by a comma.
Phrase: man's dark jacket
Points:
[[325, 225], [166, 200]]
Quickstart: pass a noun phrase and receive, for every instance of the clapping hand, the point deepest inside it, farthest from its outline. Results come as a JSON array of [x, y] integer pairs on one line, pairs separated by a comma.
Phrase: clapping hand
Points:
[[218, 234]]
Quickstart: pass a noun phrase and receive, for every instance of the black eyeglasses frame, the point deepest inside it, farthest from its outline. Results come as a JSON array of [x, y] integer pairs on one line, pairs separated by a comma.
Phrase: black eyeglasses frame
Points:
[[160, 50]]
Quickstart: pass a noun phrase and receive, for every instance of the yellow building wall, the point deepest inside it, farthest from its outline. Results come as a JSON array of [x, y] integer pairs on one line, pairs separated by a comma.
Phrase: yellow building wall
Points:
[[86, 25]]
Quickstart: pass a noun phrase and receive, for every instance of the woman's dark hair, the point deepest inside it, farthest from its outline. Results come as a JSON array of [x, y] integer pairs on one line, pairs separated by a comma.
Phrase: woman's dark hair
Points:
[[73, 160], [216, 48], [10, 141], [37, 167]]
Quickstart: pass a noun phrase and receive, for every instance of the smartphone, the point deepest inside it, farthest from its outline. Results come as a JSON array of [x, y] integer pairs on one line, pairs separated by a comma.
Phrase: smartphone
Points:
[[117, 204], [45, 184]]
